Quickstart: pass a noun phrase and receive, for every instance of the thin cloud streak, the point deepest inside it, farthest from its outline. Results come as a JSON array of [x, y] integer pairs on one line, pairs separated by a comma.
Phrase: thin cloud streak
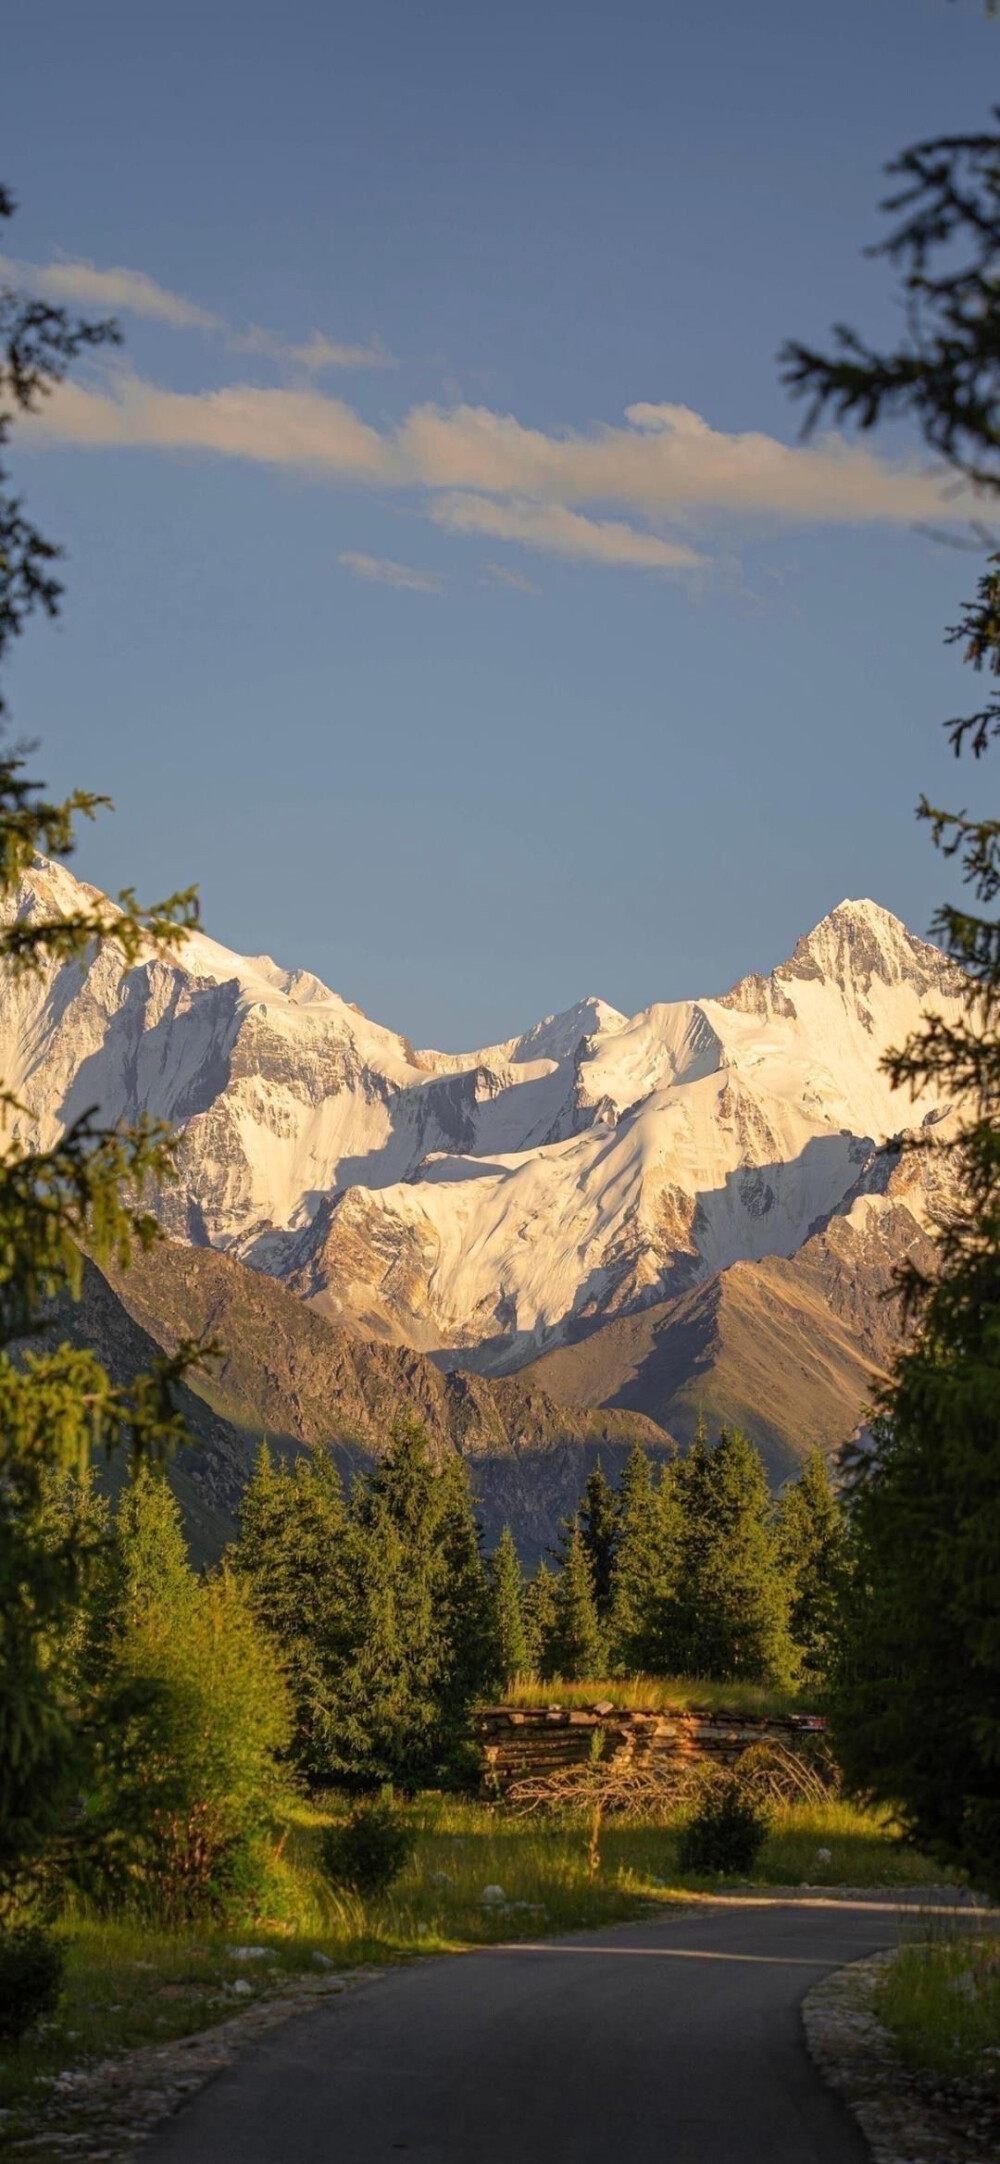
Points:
[[482, 472], [502, 575], [128, 292], [383, 572], [317, 354], [667, 461], [133, 292], [563, 533]]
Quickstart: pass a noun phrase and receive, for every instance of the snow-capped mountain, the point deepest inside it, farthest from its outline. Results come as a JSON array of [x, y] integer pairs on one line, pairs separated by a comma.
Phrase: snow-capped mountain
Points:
[[489, 1205]]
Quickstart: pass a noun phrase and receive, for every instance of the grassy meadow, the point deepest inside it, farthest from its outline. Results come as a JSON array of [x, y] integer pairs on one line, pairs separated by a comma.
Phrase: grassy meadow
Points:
[[129, 1984]]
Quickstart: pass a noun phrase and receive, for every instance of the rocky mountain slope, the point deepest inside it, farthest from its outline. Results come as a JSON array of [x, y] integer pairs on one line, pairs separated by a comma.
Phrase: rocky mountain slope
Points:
[[567, 1187], [292, 1377]]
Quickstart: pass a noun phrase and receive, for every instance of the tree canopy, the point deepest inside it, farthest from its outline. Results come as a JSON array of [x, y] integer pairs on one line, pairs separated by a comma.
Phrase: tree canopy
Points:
[[917, 1700]]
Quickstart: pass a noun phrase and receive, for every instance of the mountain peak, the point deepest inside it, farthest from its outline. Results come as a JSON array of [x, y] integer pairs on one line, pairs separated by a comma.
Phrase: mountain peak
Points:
[[859, 941], [558, 1036]]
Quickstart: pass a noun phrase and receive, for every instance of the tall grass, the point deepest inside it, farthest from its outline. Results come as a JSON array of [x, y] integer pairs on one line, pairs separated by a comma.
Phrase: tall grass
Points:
[[940, 2000], [658, 1694]]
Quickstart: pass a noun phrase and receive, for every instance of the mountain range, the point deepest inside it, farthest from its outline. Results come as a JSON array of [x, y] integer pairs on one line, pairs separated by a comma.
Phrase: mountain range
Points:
[[595, 1229]]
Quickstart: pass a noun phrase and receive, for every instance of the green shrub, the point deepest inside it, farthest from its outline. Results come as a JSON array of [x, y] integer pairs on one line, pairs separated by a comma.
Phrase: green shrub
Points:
[[368, 1852], [727, 1831], [31, 1974]]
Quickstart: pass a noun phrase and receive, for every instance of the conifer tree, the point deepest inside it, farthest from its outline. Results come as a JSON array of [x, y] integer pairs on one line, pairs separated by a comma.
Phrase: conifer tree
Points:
[[149, 1560], [539, 1610], [917, 1702], [422, 1648], [812, 1545], [462, 1611], [599, 1522], [645, 1570], [296, 1555], [729, 1617], [58, 1408], [575, 1649], [513, 1658]]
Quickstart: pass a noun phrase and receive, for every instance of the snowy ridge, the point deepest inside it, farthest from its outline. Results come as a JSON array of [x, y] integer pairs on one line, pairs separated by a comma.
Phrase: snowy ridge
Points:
[[486, 1205]]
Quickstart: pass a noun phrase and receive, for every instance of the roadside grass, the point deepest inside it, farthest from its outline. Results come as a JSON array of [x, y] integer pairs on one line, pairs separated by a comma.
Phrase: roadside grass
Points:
[[129, 1984], [865, 1849], [940, 2001], [658, 1694]]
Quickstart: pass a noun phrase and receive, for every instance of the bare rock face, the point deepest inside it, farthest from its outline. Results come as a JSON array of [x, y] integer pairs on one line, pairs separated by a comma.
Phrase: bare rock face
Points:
[[496, 1206]]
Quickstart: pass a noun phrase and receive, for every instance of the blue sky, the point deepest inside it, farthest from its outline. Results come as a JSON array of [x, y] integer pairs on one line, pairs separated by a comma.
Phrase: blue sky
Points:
[[447, 591]]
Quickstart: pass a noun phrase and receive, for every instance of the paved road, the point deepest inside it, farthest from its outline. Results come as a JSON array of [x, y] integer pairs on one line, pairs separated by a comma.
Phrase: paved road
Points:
[[674, 2042]]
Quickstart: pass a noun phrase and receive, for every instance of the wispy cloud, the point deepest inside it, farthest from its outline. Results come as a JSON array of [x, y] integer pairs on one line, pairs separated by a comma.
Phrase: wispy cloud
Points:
[[298, 429], [502, 575], [126, 292], [664, 472], [666, 461], [317, 354], [133, 292], [384, 572], [562, 532]]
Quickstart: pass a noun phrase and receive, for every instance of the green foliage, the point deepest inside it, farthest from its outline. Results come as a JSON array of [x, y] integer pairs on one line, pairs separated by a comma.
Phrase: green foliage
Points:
[[574, 1646], [917, 1700], [148, 1562], [59, 1409], [645, 1567], [812, 1543], [422, 1648], [599, 1527], [728, 1618], [726, 1833], [296, 1553], [31, 1973], [188, 1717], [513, 1658], [51, 1532], [380, 1612], [539, 1610], [369, 1850]]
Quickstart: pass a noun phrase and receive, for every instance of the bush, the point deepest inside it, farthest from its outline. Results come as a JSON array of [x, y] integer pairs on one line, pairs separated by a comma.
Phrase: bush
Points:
[[727, 1831], [369, 1851], [31, 1974]]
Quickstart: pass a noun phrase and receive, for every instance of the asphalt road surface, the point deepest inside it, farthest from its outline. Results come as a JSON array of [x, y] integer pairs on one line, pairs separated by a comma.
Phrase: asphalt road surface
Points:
[[674, 2042]]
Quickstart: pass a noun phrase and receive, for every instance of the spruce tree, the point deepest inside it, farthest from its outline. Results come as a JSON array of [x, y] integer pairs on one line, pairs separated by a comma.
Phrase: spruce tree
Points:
[[599, 1520], [463, 1613], [422, 1647], [575, 1649], [812, 1544], [296, 1555], [513, 1658], [917, 1703], [729, 1617], [149, 1560], [539, 1610], [645, 1568]]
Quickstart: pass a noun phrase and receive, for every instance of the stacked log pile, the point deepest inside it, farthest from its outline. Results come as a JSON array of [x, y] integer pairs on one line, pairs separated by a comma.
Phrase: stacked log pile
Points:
[[530, 1742]]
